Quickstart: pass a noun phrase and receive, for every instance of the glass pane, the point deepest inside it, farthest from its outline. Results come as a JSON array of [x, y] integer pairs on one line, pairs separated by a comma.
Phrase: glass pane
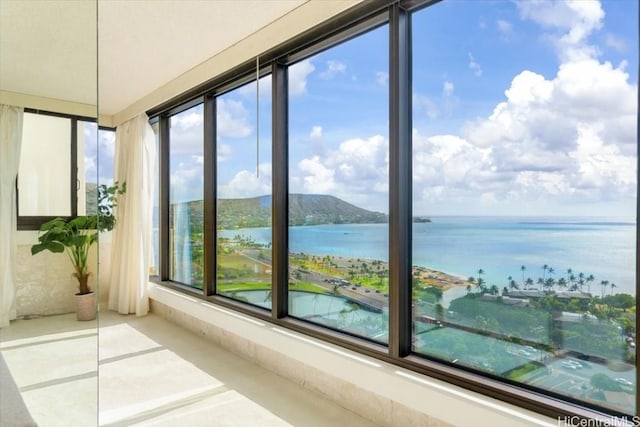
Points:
[[244, 194], [45, 166], [88, 168], [524, 183], [186, 193], [339, 191]]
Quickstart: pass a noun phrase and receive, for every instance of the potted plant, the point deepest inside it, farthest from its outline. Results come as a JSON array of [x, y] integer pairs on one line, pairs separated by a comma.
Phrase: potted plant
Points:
[[75, 237]]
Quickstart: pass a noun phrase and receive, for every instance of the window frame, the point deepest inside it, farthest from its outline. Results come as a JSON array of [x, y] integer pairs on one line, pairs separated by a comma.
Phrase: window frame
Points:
[[361, 18], [33, 222]]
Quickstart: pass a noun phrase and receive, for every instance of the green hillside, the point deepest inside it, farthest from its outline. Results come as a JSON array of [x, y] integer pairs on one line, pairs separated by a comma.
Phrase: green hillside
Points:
[[304, 209]]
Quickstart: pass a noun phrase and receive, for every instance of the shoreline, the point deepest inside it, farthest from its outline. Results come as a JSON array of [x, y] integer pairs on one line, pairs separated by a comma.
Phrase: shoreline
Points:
[[337, 264]]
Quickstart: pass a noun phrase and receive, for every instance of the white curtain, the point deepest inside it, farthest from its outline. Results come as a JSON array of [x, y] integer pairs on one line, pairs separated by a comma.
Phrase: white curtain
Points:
[[131, 247], [10, 141]]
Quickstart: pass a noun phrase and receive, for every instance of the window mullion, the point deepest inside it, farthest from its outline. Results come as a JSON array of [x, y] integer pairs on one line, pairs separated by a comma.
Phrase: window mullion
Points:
[[210, 233], [399, 182], [73, 184], [163, 214], [280, 191]]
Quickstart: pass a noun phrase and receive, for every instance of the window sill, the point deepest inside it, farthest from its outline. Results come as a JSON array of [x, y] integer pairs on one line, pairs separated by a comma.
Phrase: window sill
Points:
[[374, 389]]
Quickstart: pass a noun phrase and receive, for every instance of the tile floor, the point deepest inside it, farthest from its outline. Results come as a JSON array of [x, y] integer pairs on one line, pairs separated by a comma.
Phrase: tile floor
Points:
[[150, 372]]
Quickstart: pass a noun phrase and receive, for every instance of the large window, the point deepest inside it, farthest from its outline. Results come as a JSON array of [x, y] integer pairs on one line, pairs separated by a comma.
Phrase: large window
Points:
[[338, 187], [186, 195], [419, 185], [46, 151], [57, 168], [243, 205], [524, 176]]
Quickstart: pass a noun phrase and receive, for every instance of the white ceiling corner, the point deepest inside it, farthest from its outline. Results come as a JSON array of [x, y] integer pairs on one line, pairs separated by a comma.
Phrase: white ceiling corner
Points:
[[49, 49], [144, 45]]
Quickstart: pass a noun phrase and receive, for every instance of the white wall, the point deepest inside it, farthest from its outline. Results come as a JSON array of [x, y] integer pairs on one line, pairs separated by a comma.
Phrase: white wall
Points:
[[44, 282]]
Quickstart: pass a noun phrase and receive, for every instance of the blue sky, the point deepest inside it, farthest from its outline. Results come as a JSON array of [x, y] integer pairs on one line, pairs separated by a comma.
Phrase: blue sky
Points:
[[520, 108]]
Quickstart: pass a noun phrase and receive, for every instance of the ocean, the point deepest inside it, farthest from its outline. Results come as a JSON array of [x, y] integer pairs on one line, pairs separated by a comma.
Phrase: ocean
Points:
[[602, 247]]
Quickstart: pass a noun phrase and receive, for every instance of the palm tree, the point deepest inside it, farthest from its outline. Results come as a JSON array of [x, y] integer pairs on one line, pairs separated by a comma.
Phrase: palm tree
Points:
[[562, 283], [481, 287], [529, 282], [581, 281], [613, 285], [604, 284], [589, 280], [523, 268], [544, 271]]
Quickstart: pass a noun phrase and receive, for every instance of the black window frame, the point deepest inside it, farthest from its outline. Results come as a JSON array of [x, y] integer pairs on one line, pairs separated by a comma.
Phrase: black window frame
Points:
[[355, 21], [33, 222]]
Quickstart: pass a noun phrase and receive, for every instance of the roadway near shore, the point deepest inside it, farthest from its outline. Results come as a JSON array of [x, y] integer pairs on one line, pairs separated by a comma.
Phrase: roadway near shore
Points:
[[333, 272]]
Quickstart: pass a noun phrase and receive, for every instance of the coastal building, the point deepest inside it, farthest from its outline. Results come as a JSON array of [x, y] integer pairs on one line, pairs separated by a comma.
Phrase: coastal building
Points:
[[335, 213]]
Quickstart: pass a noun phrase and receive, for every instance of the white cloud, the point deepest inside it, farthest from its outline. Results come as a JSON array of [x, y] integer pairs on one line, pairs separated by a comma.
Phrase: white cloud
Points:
[[333, 69], [382, 78], [425, 105], [233, 119], [615, 43], [316, 133], [437, 107], [447, 88], [249, 90], [298, 74], [601, 165], [247, 184], [224, 151], [357, 171], [571, 23], [563, 145], [187, 119], [316, 177], [107, 144], [504, 27], [474, 66], [564, 141], [186, 132], [186, 182]]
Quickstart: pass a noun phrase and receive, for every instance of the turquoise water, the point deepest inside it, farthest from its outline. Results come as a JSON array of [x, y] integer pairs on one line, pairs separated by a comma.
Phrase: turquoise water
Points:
[[602, 247]]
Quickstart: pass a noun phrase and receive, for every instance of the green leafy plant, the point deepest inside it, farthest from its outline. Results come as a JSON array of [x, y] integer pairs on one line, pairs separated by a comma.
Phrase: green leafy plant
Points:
[[76, 235]]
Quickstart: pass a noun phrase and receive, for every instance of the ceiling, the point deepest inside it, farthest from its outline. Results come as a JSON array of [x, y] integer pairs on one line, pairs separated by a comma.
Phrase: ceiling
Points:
[[49, 48], [145, 44]]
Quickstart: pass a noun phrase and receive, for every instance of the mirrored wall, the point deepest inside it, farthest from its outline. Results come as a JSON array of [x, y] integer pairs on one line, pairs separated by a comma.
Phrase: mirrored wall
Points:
[[48, 85]]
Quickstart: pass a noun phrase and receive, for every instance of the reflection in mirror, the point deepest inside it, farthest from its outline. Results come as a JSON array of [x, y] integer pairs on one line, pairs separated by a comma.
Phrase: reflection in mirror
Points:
[[48, 98]]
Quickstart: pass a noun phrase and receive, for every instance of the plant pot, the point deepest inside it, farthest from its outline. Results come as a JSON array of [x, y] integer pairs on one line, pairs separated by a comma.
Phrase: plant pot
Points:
[[86, 306]]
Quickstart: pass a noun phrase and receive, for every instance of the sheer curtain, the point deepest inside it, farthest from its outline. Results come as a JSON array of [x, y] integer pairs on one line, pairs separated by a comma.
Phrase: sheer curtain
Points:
[[10, 141], [131, 247]]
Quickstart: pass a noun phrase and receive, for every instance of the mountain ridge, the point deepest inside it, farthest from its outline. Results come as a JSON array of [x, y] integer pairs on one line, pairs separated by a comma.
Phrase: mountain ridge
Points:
[[304, 209]]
